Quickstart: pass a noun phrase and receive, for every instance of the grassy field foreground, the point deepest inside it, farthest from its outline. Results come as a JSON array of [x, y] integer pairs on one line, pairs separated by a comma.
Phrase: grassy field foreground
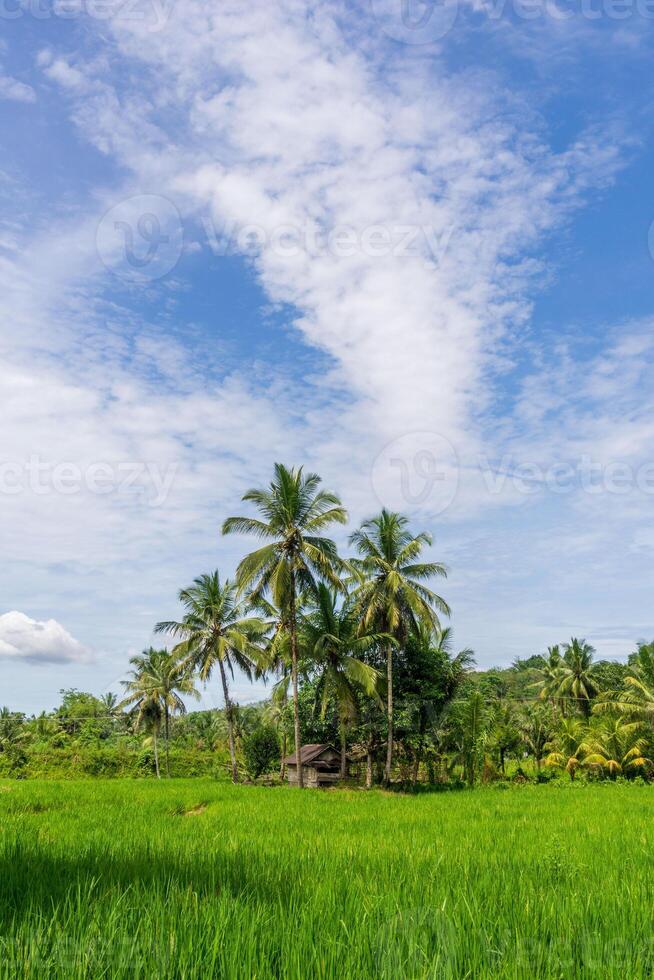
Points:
[[198, 879]]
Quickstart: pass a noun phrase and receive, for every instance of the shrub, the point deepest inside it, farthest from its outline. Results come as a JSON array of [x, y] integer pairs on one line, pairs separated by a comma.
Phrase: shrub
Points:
[[261, 751]]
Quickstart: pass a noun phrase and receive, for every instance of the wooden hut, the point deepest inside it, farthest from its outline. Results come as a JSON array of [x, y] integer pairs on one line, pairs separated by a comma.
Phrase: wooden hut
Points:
[[321, 766]]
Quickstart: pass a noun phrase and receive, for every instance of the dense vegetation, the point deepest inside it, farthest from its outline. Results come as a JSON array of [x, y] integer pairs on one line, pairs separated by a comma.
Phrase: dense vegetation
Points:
[[360, 658], [198, 879]]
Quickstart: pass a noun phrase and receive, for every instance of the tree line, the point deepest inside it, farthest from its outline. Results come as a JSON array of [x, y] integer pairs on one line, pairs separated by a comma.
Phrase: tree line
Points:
[[359, 657]]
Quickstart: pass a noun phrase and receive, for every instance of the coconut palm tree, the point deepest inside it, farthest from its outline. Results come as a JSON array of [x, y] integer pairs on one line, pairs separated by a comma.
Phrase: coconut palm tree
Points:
[[154, 688], [576, 675], [215, 632], [391, 596], [618, 747], [12, 728], [636, 699], [548, 676], [472, 727], [505, 735], [568, 748], [536, 730], [333, 645], [275, 714], [294, 512]]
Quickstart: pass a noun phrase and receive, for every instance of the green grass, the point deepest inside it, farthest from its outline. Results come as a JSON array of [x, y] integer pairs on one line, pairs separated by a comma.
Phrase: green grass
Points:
[[197, 879]]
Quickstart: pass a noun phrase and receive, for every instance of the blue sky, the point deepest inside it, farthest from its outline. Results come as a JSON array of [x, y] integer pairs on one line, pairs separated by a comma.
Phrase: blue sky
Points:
[[405, 244]]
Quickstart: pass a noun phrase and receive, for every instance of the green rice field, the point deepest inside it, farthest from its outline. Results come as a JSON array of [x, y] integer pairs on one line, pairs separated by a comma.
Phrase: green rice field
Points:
[[200, 879]]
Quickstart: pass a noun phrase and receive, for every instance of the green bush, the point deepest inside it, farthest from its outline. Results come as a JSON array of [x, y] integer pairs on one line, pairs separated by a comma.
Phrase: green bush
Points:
[[261, 751]]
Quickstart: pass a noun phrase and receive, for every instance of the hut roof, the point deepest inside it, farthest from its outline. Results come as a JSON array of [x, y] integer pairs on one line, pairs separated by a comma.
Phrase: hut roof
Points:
[[307, 754]]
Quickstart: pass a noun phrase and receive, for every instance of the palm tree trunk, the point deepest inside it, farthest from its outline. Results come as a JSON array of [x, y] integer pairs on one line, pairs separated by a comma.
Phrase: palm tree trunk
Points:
[[230, 722], [343, 752], [167, 736], [296, 703], [282, 768], [389, 708], [156, 753], [369, 769]]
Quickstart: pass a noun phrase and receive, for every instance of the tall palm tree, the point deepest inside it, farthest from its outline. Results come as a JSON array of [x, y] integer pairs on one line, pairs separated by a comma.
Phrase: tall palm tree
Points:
[[214, 632], [576, 675], [277, 659], [331, 641], [548, 676], [294, 512], [154, 688], [391, 596]]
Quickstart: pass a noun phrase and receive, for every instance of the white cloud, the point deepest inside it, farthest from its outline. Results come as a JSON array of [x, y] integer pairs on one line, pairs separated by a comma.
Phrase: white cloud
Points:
[[30, 640], [63, 73], [14, 91]]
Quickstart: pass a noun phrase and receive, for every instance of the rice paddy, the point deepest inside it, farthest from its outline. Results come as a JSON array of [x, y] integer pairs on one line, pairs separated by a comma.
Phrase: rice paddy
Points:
[[200, 879]]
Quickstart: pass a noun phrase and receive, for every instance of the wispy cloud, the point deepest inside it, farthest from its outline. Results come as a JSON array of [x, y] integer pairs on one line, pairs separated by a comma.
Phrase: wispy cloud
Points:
[[15, 91]]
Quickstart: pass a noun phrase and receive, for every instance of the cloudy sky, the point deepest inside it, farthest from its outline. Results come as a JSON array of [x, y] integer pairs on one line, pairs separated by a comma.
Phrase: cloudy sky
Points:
[[406, 244]]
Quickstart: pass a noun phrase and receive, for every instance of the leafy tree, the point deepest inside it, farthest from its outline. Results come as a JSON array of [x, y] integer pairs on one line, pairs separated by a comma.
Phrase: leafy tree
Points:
[[391, 596], [294, 513], [214, 632], [428, 680], [505, 737], [260, 751], [609, 675], [81, 713]]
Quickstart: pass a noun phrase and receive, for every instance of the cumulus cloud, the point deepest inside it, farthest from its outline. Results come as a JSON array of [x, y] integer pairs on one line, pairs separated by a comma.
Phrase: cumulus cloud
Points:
[[30, 640]]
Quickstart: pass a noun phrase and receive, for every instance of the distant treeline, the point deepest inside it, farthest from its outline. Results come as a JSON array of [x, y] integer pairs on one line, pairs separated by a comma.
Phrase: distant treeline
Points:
[[560, 714], [358, 656]]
